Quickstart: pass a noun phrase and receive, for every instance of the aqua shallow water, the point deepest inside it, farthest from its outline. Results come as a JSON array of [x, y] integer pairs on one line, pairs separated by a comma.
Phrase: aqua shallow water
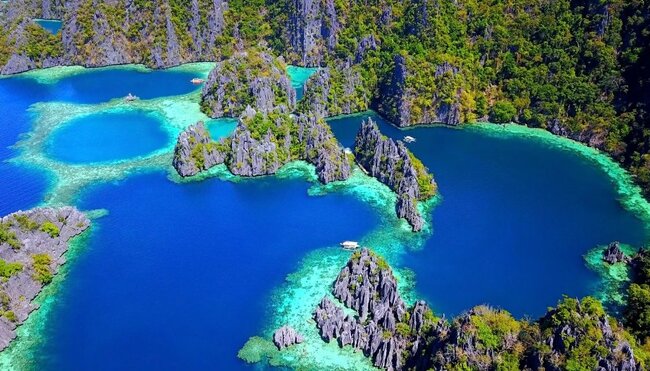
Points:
[[107, 136], [515, 220], [52, 25], [298, 76]]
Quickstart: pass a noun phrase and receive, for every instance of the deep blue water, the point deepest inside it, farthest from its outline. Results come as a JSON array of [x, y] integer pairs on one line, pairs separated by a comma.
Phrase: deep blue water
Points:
[[52, 25], [514, 223], [106, 136], [178, 276]]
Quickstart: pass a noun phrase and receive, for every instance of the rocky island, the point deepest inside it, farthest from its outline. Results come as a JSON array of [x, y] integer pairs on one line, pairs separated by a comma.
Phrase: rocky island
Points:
[[249, 78], [577, 334], [262, 143], [32, 247], [394, 165]]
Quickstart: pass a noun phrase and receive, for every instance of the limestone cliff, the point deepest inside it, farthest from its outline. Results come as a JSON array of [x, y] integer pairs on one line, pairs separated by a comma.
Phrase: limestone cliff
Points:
[[416, 92], [252, 78], [195, 151], [392, 164], [32, 245], [335, 91], [262, 143], [311, 31]]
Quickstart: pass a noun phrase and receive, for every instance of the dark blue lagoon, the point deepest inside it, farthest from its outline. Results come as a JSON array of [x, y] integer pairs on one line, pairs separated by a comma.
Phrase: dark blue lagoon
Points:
[[517, 216], [107, 136], [177, 276]]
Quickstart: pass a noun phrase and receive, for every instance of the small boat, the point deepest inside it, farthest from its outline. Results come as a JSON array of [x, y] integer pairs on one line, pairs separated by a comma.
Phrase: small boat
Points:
[[130, 98], [409, 139], [350, 245], [197, 81]]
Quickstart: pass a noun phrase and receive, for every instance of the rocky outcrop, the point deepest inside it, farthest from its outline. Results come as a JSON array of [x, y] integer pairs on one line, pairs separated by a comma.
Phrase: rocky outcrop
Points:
[[195, 151], [381, 330], [32, 245], [392, 164], [312, 30], [335, 91], [406, 103], [285, 337], [613, 254], [248, 78], [262, 143]]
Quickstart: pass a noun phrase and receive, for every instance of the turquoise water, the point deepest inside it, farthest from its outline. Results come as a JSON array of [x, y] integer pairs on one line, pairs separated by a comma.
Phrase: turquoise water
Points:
[[52, 25], [108, 136], [180, 275], [298, 76]]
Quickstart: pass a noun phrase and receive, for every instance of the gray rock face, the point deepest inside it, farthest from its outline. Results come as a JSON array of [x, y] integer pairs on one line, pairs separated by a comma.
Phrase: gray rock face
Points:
[[195, 151], [17, 63], [35, 232], [396, 99], [390, 162], [335, 91], [367, 285], [250, 153], [285, 337], [255, 79], [312, 28], [613, 254]]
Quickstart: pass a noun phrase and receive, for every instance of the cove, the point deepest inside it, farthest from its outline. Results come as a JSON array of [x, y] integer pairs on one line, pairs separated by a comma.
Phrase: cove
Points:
[[177, 276], [516, 218], [298, 76], [107, 136], [52, 25]]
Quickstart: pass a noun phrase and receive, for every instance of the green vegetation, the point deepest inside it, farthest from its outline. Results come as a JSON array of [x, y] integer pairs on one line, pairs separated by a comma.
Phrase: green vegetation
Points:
[[8, 236], [9, 269], [428, 187], [41, 44], [25, 223], [637, 312], [51, 229], [42, 268]]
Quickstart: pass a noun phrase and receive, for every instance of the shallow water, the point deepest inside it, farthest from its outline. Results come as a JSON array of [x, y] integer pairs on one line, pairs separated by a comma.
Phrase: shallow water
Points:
[[180, 275], [52, 25], [298, 76], [107, 136], [516, 219]]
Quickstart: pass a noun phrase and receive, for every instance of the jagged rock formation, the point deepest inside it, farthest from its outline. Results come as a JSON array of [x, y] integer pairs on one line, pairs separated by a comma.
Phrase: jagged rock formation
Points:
[[576, 333], [285, 337], [263, 142], [613, 254], [195, 151], [311, 31], [392, 164], [32, 245], [406, 96], [248, 78], [367, 285], [335, 91]]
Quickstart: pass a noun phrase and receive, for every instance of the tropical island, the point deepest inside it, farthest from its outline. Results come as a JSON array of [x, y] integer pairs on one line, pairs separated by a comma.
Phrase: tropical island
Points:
[[574, 69]]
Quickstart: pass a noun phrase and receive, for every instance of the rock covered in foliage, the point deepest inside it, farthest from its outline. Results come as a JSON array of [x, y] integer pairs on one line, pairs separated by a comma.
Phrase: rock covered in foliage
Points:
[[392, 164], [195, 151], [264, 142], [381, 330], [613, 254], [286, 336], [32, 244], [574, 335], [252, 78], [418, 92], [311, 30], [335, 91]]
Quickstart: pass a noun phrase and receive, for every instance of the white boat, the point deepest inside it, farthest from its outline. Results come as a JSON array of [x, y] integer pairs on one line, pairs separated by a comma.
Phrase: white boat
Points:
[[130, 98], [350, 245], [197, 81], [409, 139]]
